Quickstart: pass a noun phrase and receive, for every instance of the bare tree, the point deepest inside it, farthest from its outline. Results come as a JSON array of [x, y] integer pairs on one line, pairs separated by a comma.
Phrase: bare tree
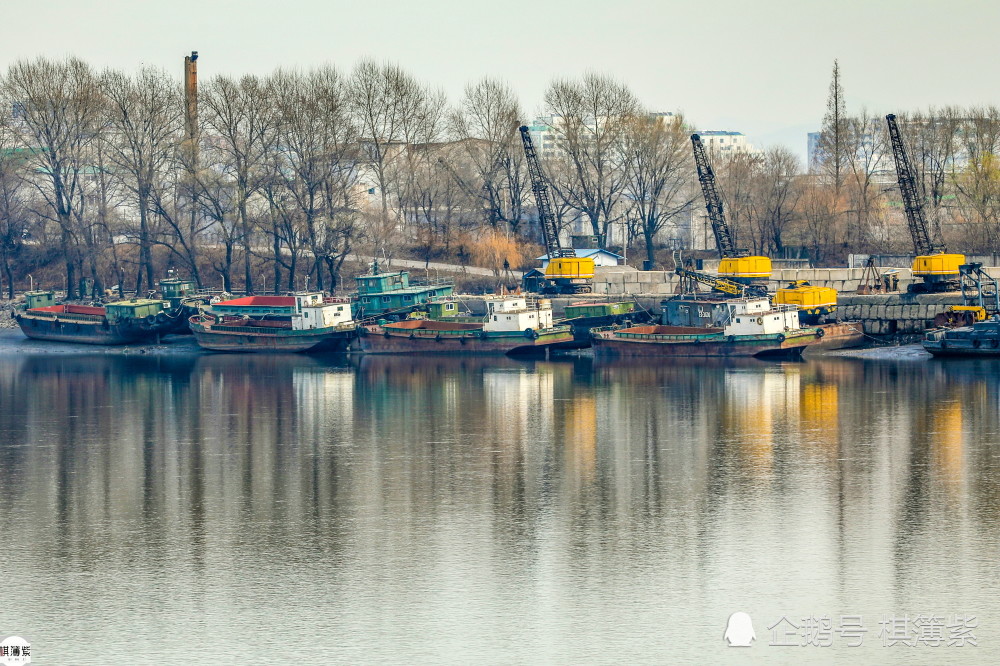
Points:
[[977, 183], [833, 143], [485, 124], [59, 107], [145, 121], [394, 112], [13, 207], [239, 121], [659, 171], [775, 198], [865, 151], [589, 120]]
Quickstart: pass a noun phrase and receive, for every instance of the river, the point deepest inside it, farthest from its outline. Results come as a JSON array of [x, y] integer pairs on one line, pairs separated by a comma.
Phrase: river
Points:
[[294, 509]]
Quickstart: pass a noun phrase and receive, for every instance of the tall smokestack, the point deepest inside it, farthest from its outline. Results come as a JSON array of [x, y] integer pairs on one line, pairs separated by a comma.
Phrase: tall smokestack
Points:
[[191, 94]]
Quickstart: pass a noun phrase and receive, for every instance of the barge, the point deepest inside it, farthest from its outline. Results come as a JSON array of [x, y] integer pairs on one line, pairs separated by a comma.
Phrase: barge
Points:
[[980, 339], [753, 327], [119, 323], [297, 323], [512, 325]]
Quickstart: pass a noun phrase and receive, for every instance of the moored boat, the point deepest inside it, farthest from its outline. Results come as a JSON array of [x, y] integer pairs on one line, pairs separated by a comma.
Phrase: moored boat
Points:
[[297, 323], [119, 323], [585, 316], [752, 327], [713, 311], [980, 339], [393, 295], [512, 325]]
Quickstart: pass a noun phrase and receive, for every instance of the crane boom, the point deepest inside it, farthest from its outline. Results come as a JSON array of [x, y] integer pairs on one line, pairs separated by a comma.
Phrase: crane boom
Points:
[[713, 202], [915, 218], [546, 217], [722, 284]]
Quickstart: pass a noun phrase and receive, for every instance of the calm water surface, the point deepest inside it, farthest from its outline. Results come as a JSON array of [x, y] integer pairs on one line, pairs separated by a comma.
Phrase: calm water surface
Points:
[[238, 509]]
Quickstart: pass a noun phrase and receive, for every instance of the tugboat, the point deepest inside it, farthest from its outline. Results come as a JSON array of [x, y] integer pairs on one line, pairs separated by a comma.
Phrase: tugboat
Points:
[[393, 295], [184, 301], [512, 325], [297, 323], [119, 323], [980, 339], [752, 327]]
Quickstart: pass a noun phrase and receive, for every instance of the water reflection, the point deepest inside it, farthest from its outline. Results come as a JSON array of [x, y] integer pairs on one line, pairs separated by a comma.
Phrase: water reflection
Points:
[[397, 508]]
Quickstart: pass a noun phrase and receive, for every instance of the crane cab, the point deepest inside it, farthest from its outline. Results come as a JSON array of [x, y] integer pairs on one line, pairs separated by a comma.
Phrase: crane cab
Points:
[[812, 302], [937, 264], [570, 275], [745, 268], [937, 272]]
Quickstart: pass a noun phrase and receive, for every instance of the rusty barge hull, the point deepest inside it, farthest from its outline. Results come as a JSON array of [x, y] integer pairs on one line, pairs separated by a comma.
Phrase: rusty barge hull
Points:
[[385, 340], [251, 339], [677, 341], [95, 331], [841, 335]]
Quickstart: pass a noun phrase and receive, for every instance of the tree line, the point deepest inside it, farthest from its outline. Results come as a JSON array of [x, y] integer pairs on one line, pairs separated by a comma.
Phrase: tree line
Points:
[[284, 176]]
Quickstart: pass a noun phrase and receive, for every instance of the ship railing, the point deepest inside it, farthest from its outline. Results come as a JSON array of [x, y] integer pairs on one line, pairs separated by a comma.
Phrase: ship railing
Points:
[[68, 316], [433, 282]]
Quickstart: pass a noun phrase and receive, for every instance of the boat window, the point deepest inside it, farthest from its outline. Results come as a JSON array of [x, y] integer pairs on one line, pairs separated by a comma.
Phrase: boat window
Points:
[[386, 299], [365, 300]]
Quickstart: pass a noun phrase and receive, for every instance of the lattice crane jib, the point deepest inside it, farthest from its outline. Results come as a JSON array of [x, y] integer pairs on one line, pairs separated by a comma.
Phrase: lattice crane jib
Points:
[[540, 188], [713, 203], [912, 201]]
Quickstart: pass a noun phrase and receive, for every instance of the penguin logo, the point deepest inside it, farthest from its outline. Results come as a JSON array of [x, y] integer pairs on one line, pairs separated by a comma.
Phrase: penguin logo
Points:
[[739, 630]]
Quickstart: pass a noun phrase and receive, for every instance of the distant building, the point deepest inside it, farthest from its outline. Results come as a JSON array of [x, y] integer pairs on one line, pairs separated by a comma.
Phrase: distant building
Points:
[[545, 131], [725, 142], [813, 158]]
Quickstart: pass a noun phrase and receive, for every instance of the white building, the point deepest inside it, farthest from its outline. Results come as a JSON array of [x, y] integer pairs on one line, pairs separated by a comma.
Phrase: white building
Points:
[[725, 142], [545, 132]]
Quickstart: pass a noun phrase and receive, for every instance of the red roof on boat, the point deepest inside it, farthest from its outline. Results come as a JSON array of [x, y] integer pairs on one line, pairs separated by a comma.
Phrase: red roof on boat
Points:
[[282, 301]]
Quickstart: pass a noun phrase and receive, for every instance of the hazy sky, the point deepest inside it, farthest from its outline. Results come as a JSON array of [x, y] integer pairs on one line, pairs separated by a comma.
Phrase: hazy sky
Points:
[[759, 67]]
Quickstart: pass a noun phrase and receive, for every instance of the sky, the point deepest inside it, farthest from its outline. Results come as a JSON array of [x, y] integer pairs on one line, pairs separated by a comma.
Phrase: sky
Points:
[[761, 67]]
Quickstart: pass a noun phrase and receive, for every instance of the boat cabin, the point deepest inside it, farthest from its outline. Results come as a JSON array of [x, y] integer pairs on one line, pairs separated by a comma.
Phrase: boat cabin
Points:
[[304, 310], [175, 288], [39, 299], [756, 316], [517, 313], [133, 309], [386, 292]]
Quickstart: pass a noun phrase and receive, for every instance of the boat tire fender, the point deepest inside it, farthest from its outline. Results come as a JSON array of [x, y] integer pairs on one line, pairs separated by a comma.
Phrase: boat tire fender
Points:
[[731, 338], [781, 337], [976, 343], [760, 320], [385, 333], [162, 317], [438, 337], [483, 335], [531, 334], [820, 332]]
